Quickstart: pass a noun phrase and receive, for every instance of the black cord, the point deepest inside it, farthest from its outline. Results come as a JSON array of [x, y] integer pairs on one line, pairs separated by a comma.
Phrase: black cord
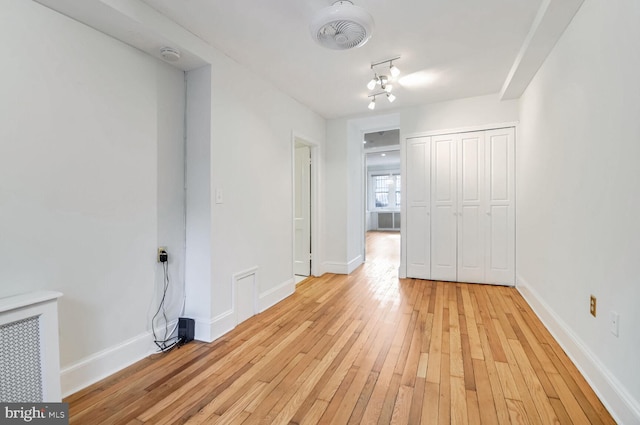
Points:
[[165, 270], [162, 344]]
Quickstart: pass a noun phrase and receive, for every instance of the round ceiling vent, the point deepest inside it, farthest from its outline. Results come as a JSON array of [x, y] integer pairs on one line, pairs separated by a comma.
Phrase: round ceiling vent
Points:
[[342, 26]]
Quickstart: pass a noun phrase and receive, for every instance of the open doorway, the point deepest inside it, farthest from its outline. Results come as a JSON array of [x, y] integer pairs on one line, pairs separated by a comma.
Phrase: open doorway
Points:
[[302, 185], [383, 183]]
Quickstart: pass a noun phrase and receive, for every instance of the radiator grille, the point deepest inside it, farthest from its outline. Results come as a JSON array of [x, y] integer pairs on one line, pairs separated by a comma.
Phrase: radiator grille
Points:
[[20, 364]]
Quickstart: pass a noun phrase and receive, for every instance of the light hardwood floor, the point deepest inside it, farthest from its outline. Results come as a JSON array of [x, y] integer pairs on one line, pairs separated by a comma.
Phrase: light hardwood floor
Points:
[[360, 349]]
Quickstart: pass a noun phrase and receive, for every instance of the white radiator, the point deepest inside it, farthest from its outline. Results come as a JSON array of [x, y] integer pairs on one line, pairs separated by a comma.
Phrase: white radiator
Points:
[[29, 356]]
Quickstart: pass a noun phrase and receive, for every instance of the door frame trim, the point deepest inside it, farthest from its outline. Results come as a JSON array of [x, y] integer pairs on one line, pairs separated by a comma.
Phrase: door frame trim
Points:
[[314, 148]]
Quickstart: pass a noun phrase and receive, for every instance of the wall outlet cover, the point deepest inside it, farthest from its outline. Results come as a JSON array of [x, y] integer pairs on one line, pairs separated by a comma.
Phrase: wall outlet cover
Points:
[[615, 323], [592, 305]]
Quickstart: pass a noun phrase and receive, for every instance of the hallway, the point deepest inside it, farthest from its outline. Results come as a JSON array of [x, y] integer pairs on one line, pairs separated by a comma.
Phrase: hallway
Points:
[[383, 247]]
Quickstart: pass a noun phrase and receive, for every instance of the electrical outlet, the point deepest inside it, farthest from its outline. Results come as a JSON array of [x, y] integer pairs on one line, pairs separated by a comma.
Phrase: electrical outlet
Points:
[[592, 306], [615, 323], [161, 249]]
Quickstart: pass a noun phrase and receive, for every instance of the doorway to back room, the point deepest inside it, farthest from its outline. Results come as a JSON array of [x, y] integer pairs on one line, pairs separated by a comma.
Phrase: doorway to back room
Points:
[[383, 184], [302, 211]]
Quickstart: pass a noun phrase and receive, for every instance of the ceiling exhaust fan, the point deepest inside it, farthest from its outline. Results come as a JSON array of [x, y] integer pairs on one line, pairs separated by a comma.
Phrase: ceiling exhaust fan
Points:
[[342, 26]]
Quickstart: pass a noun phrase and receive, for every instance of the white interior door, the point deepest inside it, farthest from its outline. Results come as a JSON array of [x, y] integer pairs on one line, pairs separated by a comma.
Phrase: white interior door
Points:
[[471, 208], [418, 193], [443, 208], [500, 211], [302, 211]]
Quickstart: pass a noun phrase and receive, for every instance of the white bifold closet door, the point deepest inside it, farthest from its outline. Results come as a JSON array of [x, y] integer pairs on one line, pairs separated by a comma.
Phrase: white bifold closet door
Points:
[[418, 192], [471, 207], [460, 207], [500, 206], [443, 207]]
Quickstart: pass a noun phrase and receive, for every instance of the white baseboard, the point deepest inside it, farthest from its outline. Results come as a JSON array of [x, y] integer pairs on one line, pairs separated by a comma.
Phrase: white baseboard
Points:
[[354, 264], [98, 366], [275, 295], [208, 330], [335, 267], [622, 406], [342, 268], [212, 329], [402, 271]]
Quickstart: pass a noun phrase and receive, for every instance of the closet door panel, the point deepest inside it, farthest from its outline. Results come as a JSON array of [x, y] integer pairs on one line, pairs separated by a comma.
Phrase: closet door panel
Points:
[[498, 248], [443, 208], [500, 187], [418, 189], [471, 199]]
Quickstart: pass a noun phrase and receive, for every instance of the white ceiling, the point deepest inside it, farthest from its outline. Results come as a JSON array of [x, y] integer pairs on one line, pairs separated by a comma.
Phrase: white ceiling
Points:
[[382, 148], [384, 159], [467, 48]]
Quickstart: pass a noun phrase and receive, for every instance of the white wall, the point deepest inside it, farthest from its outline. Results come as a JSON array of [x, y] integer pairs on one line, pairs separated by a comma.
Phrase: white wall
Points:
[[87, 125], [356, 199], [579, 200], [335, 206], [199, 201], [252, 165], [170, 187], [457, 114], [252, 125]]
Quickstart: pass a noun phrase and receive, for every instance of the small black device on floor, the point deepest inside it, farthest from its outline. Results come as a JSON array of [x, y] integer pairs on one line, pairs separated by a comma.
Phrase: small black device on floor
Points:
[[186, 330]]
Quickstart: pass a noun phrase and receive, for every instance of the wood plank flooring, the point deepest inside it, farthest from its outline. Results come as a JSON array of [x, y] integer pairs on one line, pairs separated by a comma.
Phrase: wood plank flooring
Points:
[[366, 348]]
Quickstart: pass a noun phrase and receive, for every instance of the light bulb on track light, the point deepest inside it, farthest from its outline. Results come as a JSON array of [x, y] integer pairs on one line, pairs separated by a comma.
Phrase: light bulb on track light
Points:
[[371, 85], [394, 70], [388, 88], [372, 104], [391, 97]]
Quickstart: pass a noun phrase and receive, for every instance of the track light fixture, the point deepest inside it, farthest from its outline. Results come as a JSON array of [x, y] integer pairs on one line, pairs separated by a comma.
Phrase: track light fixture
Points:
[[384, 81]]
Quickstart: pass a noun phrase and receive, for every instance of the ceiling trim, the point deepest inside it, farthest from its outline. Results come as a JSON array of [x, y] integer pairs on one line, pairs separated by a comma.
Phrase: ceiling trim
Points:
[[552, 19], [138, 25], [142, 27]]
